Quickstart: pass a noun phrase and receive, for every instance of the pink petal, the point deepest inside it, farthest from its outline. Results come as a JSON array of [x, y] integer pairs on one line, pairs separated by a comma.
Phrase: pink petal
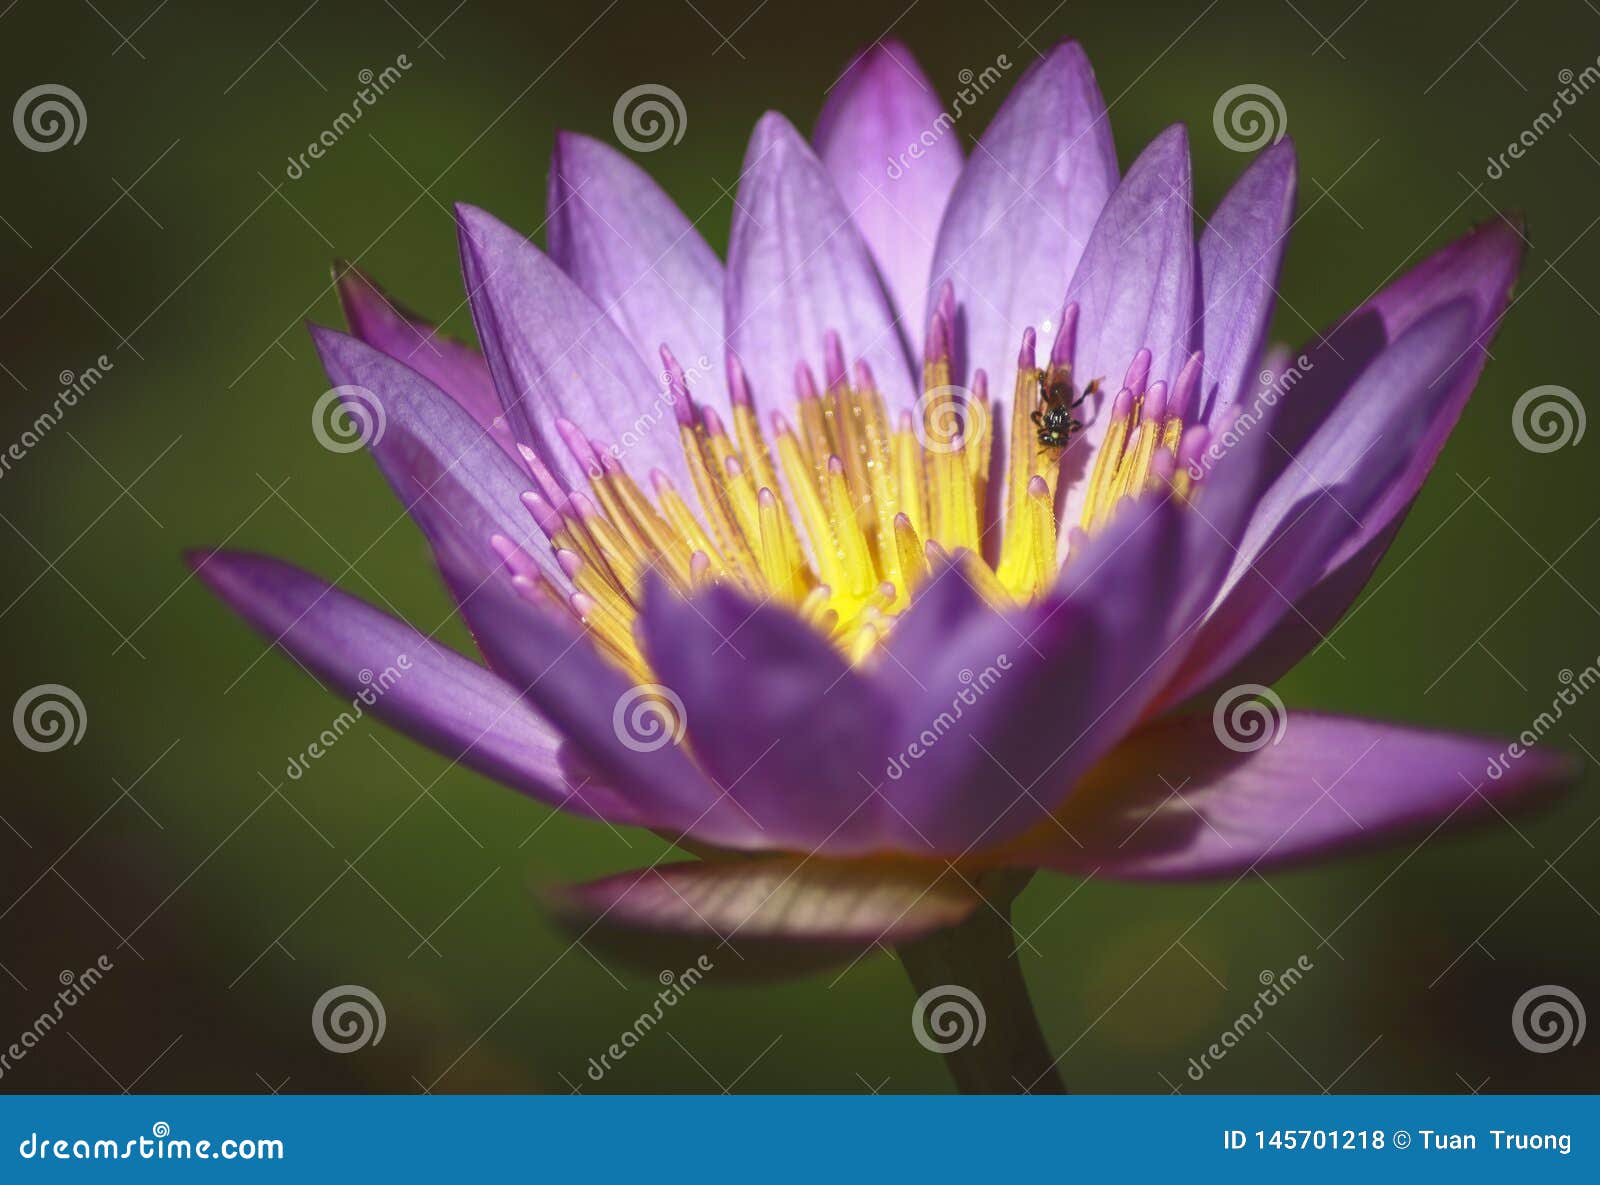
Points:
[[1175, 803], [776, 716], [434, 695], [1136, 288], [453, 480], [798, 268], [626, 243], [554, 353], [1023, 209], [760, 918], [881, 112], [1338, 478], [453, 367], [1241, 250]]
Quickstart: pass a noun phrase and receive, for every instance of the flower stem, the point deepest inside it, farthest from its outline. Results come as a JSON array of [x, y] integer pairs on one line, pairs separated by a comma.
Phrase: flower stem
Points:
[[980, 955]]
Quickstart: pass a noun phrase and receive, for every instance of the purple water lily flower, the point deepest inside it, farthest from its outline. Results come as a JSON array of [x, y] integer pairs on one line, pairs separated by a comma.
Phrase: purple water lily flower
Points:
[[962, 507]]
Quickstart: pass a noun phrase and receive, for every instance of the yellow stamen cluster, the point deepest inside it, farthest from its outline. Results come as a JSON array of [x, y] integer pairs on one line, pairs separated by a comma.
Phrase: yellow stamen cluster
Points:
[[837, 513], [1138, 453]]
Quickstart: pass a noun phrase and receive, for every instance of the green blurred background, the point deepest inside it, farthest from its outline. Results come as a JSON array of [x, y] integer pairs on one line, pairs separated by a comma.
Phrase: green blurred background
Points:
[[170, 240]]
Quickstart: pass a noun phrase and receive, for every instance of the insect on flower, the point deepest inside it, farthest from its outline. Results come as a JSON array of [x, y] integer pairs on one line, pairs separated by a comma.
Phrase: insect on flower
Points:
[[1053, 416]]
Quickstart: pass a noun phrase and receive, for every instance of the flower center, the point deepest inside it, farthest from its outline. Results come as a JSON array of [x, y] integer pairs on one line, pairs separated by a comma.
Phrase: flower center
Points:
[[838, 512]]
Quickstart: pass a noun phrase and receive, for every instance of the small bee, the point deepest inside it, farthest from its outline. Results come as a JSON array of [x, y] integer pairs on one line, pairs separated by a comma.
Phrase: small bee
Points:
[[1054, 414]]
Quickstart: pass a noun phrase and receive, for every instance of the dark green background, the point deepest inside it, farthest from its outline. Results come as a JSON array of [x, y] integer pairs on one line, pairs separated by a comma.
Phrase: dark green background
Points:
[[244, 905]]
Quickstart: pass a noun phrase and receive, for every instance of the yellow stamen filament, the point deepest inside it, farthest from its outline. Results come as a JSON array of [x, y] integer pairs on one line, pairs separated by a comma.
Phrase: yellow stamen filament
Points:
[[1123, 465]]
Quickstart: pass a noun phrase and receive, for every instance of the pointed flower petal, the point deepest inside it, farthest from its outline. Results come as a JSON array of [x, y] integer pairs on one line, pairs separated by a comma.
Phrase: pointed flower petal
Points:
[[1020, 705], [1175, 802], [428, 692], [1241, 250], [1023, 209], [626, 243], [1478, 269], [453, 480], [456, 369], [776, 717], [1135, 287], [797, 268], [881, 112], [626, 734], [555, 354], [1326, 499]]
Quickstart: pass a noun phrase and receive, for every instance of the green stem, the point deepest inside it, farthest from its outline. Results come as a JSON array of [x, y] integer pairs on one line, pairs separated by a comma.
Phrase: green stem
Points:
[[980, 955]]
